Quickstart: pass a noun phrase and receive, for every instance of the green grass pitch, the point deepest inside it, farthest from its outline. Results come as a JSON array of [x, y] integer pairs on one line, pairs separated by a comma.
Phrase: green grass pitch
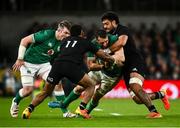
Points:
[[112, 113]]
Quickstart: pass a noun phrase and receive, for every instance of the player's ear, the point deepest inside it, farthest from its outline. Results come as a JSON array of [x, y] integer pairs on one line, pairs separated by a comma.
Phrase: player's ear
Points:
[[114, 23]]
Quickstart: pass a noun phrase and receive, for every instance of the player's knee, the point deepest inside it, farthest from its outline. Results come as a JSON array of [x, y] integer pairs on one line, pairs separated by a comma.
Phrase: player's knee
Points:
[[27, 91], [79, 89]]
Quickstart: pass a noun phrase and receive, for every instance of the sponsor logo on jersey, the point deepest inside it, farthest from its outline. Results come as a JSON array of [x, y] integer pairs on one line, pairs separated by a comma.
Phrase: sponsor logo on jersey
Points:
[[50, 44], [58, 48], [28, 71]]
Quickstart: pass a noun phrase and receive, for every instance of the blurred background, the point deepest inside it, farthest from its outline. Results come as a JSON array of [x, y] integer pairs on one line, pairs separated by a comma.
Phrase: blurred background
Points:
[[154, 23]]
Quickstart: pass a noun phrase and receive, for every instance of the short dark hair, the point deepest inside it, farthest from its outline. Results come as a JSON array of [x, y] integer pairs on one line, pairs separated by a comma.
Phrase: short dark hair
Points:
[[65, 23], [76, 30], [100, 33], [110, 15]]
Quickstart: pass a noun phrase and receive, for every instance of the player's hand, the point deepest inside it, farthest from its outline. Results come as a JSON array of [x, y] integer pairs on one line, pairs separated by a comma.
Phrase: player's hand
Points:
[[118, 62], [18, 64], [107, 50]]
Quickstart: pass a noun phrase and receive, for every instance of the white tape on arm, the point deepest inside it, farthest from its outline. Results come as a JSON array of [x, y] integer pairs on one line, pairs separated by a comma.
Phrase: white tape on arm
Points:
[[135, 80], [21, 52]]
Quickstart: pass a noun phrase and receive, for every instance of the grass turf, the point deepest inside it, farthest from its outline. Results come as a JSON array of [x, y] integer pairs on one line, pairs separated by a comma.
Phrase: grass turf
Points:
[[130, 115]]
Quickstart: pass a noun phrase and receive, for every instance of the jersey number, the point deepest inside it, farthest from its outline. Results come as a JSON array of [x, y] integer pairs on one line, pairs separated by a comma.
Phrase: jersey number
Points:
[[72, 44]]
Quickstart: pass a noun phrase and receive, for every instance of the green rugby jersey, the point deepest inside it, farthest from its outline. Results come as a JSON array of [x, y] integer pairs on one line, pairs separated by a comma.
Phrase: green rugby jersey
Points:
[[44, 47], [114, 71]]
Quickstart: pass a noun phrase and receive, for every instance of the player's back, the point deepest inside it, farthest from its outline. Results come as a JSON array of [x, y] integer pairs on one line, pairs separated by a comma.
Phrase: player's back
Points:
[[73, 49]]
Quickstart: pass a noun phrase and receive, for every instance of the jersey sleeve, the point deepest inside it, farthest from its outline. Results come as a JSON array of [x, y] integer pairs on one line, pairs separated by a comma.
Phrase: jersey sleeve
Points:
[[93, 48], [112, 38], [91, 55], [124, 31], [43, 35]]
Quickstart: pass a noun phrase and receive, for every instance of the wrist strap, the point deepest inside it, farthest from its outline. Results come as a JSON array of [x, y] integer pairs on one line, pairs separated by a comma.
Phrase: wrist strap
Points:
[[21, 52]]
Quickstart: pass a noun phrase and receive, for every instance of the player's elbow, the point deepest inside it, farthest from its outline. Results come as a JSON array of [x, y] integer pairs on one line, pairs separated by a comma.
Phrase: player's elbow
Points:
[[26, 40]]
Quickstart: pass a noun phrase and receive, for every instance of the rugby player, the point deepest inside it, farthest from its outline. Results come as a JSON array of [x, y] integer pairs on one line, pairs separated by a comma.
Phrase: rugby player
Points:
[[68, 64]]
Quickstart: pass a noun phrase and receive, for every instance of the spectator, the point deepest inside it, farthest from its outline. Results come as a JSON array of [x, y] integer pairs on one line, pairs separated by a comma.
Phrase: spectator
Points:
[[10, 82]]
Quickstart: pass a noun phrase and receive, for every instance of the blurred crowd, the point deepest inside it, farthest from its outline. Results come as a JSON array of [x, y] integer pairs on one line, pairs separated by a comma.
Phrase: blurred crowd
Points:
[[9, 82], [90, 5], [160, 50], [158, 47]]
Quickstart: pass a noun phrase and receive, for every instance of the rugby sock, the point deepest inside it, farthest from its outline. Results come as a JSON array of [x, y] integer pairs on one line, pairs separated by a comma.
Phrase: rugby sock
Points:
[[18, 97], [152, 108], [71, 97], [91, 106], [82, 105], [31, 108], [59, 95], [159, 95]]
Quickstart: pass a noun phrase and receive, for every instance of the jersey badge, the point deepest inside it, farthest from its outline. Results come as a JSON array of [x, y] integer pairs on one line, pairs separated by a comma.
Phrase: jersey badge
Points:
[[50, 52]]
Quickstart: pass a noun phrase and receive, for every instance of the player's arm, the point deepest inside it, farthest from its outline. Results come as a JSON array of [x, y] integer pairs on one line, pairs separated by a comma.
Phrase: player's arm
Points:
[[21, 52], [118, 44], [119, 56], [105, 56], [93, 65], [100, 53]]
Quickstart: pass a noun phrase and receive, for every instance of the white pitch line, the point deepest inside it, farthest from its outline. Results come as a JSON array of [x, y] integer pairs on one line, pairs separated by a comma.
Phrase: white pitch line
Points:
[[98, 109], [115, 114]]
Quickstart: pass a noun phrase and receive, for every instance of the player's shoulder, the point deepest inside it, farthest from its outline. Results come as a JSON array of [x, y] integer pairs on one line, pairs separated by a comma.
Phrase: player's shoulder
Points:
[[47, 32], [121, 29], [71, 38], [110, 36]]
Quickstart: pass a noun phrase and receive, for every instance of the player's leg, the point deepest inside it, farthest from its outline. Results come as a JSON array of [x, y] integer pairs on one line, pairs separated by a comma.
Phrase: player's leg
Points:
[[89, 85], [95, 75], [107, 84], [74, 94], [43, 72], [86, 97], [59, 95], [59, 92], [53, 79], [27, 80], [135, 83], [154, 95], [48, 89]]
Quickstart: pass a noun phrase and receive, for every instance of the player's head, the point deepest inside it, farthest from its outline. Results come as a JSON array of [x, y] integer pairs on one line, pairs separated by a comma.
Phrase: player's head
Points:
[[110, 20], [102, 38], [63, 30], [77, 31]]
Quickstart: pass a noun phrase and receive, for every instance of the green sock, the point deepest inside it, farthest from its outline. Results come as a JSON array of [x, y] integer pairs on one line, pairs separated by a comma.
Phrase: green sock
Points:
[[71, 97], [64, 110], [91, 106], [18, 98], [60, 98]]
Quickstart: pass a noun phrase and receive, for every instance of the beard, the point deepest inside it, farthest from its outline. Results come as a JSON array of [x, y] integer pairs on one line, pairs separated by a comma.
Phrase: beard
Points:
[[112, 31]]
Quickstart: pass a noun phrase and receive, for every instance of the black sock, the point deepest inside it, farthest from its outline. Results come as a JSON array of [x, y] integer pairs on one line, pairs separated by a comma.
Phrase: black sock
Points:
[[152, 108], [82, 105], [31, 108], [158, 95]]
